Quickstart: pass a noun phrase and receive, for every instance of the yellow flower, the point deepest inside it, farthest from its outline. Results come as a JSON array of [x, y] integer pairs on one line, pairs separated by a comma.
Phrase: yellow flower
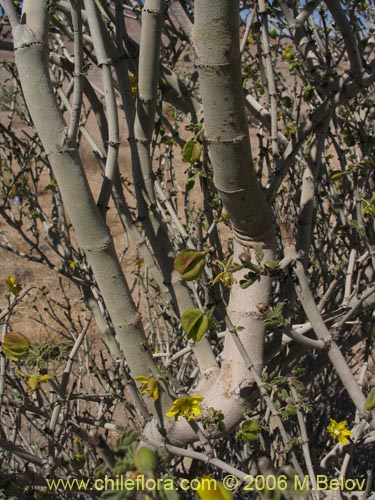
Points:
[[226, 278], [13, 287], [33, 381], [187, 406], [149, 386], [133, 83], [339, 431], [210, 489], [73, 264]]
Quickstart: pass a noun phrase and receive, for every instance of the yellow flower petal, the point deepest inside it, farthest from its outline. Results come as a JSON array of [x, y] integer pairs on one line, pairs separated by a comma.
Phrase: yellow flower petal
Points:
[[33, 381], [149, 386], [339, 431], [210, 489], [195, 399], [186, 406], [13, 287]]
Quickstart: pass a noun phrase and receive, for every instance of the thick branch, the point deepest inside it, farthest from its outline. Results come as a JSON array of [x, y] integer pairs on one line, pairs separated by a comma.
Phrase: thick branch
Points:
[[92, 234], [226, 127]]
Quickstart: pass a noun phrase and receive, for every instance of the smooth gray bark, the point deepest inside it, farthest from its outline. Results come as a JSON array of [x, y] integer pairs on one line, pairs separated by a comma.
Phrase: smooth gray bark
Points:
[[216, 37], [93, 235]]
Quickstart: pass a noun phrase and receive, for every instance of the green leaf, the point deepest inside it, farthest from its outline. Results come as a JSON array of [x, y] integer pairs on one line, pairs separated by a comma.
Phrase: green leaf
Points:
[[124, 441], [189, 184], [370, 400], [272, 265], [308, 93], [336, 175], [145, 460], [249, 431], [290, 409], [275, 316], [15, 346], [272, 33], [99, 471], [259, 254], [249, 279], [250, 425], [191, 152], [196, 323], [123, 465], [245, 259], [190, 264], [367, 164]]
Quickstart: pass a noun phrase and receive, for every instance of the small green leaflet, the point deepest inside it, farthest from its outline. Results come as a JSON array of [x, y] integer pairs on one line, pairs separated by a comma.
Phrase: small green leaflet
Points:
[[336, 175], [192, 151], [189, 184], [249, 431], [145, 460], [275, 316], [15, 346], [190, 264], [126, 440], [196, 323]]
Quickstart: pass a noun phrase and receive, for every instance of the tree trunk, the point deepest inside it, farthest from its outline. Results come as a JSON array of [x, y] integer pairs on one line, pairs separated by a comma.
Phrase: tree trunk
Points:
[[216, 38], [93, 235]]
